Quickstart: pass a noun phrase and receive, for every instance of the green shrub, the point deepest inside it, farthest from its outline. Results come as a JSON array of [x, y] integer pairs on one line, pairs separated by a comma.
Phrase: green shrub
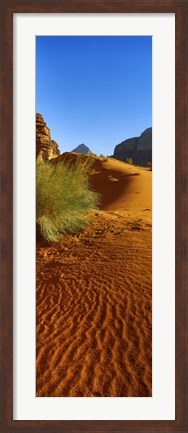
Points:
[[63, 197], [129, 161], [104, 158]]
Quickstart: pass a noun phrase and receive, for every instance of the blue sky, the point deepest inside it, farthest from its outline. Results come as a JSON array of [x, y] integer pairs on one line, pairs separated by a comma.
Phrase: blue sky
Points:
[[95, 90]]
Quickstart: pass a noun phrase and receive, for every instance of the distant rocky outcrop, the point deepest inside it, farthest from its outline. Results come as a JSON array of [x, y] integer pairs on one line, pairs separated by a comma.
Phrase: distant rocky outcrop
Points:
[[139, 149], [45, 147], [82, 148]]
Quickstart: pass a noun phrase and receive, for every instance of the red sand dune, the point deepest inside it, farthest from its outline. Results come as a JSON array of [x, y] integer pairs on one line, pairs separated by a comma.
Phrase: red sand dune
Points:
[[94, 295]]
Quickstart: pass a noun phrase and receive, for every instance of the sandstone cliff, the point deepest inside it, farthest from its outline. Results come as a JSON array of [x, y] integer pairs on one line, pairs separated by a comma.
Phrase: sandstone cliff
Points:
[[45, 147]]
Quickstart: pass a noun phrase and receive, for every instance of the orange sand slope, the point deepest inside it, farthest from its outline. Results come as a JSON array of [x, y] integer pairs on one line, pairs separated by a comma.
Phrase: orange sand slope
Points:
[[94, 296]]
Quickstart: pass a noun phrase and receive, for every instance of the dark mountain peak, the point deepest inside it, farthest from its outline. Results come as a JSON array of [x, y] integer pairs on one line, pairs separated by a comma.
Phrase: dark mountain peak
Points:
[[82, 148]]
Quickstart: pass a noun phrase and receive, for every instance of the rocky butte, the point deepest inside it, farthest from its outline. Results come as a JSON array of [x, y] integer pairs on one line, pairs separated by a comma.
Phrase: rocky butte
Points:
[[139, 149], [45, 147]]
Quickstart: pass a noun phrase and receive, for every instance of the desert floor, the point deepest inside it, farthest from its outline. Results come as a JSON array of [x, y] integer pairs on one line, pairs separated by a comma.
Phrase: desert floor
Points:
[[94, 295]]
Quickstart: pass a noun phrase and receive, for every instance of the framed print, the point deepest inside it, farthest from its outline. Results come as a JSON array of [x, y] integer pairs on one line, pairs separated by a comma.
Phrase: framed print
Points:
[[94, 216]]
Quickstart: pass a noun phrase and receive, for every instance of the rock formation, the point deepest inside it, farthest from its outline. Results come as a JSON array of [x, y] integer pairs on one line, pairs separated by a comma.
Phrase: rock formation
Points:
[[139, 149], [55, 148], [45, 147], [82, 148]]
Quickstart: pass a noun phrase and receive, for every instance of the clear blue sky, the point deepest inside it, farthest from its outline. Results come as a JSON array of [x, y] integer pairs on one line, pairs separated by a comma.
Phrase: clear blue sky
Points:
[[95, 90]]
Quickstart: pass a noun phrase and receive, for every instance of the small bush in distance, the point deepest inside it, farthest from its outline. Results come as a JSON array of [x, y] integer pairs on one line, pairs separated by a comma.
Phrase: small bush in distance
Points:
[[63, 198], [129, 161], [149, 165], [104, 158]]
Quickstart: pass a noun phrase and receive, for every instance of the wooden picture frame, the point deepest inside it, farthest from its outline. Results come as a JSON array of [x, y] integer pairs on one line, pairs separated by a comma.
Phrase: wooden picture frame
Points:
[[7, 9]]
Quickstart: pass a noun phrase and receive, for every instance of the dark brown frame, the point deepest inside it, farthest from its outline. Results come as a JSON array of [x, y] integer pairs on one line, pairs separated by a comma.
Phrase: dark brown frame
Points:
[[7, 8]]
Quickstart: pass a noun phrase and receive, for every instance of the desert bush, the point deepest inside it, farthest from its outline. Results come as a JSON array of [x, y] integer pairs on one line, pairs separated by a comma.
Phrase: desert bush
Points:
[[129, 161], [63, 197], [149, 165], [104, 158]]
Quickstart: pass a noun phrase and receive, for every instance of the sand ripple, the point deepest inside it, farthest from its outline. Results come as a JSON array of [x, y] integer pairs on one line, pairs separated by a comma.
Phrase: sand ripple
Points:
[[94, 311]]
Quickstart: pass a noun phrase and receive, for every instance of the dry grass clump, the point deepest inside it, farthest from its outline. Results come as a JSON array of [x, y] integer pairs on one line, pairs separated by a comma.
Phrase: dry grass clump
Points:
[[63, 197], [129, 161]]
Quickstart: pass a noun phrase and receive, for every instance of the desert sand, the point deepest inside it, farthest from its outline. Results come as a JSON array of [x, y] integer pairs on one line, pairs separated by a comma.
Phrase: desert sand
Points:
[[94, 295]]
